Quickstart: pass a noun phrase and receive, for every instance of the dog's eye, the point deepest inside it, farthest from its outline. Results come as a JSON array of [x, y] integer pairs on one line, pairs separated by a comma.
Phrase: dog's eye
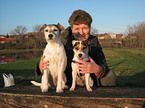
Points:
[[55, 30], [46, 30], [84, 48], [76, 48]]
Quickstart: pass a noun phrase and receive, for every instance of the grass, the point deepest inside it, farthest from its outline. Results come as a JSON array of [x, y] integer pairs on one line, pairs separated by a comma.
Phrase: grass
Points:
[[23, 71], [128, 64]]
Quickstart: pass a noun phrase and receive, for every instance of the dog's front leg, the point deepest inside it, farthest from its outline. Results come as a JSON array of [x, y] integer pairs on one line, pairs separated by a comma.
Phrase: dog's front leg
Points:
[[87, 76], [59, 82], [74, 76], [44, 81]]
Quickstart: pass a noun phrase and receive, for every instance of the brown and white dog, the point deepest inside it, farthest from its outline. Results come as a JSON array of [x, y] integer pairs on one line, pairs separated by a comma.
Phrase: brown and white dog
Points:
[[80, 49], [55, 54]]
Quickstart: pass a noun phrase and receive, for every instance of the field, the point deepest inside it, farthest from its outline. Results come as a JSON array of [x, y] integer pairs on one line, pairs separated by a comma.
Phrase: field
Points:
[[128, 64]]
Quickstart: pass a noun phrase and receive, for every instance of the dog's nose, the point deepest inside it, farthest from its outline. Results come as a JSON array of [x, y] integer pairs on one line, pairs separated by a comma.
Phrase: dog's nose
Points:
[[80, 55], [50, 36]]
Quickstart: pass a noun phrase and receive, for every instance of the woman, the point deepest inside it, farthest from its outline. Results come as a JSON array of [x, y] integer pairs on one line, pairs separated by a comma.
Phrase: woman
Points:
[[80, 25]]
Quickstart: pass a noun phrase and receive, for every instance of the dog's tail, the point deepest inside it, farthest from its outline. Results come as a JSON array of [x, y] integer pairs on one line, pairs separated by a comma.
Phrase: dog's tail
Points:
[[36, 83]]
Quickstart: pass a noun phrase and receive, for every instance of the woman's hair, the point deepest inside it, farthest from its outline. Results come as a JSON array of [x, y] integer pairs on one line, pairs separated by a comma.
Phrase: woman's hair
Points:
[[80, 17]]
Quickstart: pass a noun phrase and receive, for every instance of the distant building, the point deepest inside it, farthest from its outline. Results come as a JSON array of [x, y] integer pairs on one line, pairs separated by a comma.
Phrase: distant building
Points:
[[109, 36], [36, 34], [113, 36], [132, 36], [3, 38]]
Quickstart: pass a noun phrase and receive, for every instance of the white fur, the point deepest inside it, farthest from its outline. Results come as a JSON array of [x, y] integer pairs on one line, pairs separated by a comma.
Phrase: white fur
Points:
[[55, 54], [75, 71]]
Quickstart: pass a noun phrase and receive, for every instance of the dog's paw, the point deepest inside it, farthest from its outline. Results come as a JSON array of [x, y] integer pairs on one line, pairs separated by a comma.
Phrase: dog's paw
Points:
[[44, 89], [59, 90], [89, 89], [72, 89], [65, 87]]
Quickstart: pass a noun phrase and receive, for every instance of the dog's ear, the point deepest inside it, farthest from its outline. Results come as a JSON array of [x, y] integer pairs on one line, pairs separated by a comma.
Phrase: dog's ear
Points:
[[86, 42], [42, 28], [60, 27], [73, 42]]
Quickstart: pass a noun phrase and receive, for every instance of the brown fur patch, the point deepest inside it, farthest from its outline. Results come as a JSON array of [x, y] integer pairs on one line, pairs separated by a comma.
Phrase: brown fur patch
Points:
[[77, 46]]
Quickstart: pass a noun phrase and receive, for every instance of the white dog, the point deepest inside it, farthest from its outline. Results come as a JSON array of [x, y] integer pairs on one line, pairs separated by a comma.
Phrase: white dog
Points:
[[55, 54], [80, 53]]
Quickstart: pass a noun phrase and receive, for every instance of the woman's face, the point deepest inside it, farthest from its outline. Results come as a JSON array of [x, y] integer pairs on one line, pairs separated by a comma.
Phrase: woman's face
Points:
[[81, 31]]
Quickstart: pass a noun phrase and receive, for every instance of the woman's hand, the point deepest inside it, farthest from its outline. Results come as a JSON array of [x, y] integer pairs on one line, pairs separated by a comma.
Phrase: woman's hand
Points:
[[43, 64], [89, 67]]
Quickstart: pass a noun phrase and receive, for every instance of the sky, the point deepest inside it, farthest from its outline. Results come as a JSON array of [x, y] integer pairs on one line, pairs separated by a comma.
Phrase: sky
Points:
[[109, 16]]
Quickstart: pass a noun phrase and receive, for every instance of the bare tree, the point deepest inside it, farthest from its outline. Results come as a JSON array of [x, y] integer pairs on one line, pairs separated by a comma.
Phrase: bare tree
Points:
[[94, 31], [36, 28], [19, 30], [141, 34], [138, 30]]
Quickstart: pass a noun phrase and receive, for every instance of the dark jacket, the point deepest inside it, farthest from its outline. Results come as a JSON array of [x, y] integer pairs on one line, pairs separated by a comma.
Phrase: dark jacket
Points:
[[95, 52]]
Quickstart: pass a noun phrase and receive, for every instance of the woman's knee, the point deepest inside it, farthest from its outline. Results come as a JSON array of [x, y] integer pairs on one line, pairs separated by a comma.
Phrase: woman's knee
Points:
[[109, 79]]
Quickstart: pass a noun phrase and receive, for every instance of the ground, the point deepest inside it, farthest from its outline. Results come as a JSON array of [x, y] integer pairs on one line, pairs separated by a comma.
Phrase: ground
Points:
[[111, 97]]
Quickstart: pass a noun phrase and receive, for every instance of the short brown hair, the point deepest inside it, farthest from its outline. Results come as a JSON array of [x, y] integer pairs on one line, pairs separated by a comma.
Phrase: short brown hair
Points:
[[80, 17]]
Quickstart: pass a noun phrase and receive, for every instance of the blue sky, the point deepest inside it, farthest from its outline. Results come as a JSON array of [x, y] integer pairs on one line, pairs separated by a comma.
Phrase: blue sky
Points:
[[109, 16]]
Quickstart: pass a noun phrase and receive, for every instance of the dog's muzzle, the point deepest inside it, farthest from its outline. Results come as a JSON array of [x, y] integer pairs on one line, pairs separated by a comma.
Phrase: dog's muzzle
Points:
[[50, 36], [80, 55]]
